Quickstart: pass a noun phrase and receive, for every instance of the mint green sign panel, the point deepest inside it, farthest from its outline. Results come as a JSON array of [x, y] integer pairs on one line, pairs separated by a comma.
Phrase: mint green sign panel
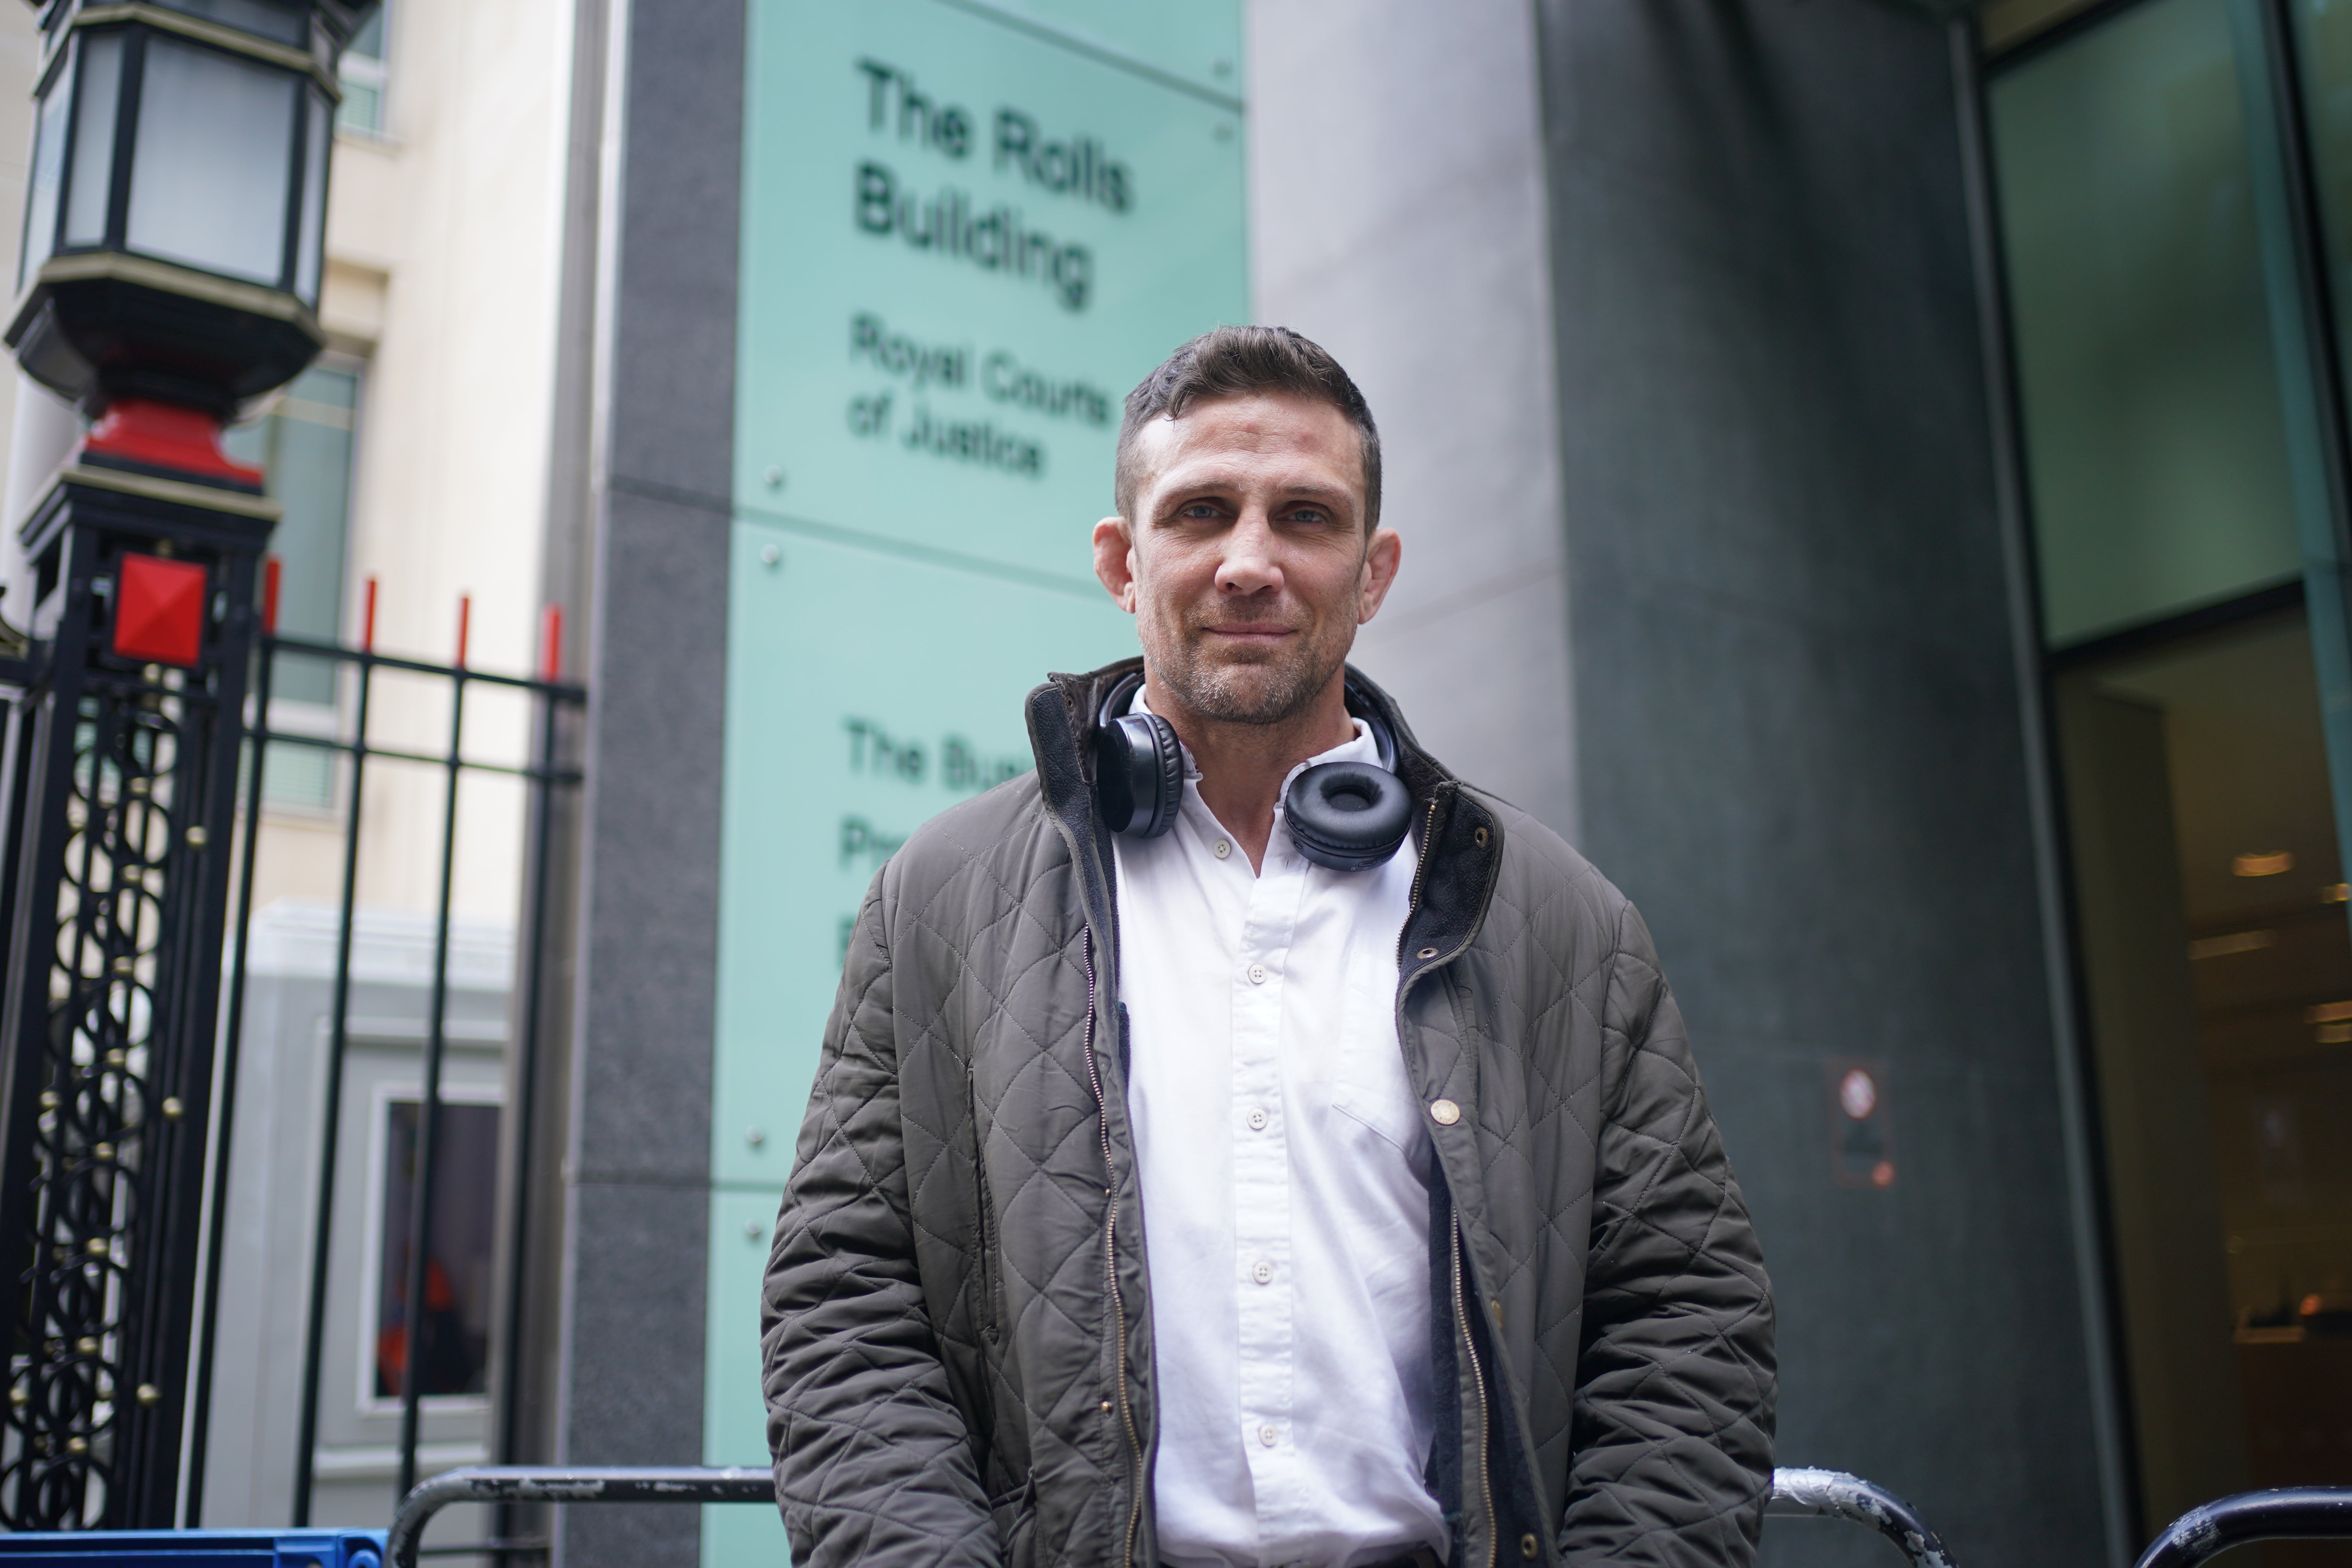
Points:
[[968, 229]]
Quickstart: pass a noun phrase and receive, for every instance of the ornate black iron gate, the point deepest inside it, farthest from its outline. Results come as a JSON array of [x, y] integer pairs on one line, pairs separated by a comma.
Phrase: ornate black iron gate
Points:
[[123, 737], [120, 758]]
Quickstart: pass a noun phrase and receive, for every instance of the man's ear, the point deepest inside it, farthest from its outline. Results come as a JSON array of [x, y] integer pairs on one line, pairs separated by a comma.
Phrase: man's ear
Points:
[[1383, 552], [1114, 560]]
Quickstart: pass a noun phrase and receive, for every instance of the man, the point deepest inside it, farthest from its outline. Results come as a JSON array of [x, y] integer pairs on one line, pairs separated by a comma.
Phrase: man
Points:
[[1181, 1199]]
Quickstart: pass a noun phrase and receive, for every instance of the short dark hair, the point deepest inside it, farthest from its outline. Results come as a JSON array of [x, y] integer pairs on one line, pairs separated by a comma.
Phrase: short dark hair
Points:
[[1233, 362]]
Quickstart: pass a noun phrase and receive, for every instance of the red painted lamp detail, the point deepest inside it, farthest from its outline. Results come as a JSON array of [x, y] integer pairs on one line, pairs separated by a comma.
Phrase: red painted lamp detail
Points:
[[165, 435]]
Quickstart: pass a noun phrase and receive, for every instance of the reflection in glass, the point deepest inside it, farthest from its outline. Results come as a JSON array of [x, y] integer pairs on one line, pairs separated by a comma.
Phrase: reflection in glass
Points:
[[2210, 919], [2155, 442], [452, 1344]]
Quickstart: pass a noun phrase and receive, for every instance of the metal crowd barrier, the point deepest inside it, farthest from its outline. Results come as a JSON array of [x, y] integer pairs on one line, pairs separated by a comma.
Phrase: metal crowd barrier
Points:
[[1833, 1494], [2282, 1513], [1824, 1494], [561, 1483]]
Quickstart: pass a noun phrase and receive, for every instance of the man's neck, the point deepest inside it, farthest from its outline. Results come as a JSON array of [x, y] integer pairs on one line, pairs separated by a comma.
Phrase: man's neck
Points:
[[1243, 765]]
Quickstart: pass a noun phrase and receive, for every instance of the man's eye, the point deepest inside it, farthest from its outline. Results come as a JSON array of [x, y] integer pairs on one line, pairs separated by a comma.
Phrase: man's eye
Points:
[[1309, 514], [1199, 509]]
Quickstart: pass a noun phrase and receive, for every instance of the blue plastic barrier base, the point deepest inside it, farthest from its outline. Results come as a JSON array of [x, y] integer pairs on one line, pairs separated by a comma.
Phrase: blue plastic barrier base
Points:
[[196, 1548]]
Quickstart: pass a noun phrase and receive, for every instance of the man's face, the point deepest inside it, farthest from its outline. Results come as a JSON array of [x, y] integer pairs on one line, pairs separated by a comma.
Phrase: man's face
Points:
[[1246, 563]]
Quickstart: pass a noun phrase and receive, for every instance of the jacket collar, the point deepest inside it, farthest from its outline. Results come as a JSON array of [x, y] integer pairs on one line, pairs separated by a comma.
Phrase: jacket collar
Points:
[[1460, 841]]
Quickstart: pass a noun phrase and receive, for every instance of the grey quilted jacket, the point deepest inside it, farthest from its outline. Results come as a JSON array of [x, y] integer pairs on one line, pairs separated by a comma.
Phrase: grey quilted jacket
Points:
[[956, 1327]]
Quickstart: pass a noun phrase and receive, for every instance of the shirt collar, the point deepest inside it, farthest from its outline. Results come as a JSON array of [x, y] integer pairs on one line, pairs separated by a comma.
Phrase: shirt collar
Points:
[[1362, 748]]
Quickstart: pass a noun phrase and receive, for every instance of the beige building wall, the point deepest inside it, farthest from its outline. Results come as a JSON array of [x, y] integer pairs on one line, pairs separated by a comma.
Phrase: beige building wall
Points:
[[443, 236], [443, 242]]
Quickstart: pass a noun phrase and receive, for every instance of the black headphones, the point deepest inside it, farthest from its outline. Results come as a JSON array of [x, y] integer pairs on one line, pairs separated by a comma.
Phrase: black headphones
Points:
[[1346, 817]]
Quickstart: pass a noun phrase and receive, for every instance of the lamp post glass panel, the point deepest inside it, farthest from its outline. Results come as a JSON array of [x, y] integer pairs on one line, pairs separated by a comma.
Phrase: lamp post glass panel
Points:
[[172, 257], [174, 223]]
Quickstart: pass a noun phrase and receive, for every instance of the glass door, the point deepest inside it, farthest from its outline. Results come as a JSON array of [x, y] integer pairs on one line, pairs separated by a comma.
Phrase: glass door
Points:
[[2209, 918], [2180, 430]]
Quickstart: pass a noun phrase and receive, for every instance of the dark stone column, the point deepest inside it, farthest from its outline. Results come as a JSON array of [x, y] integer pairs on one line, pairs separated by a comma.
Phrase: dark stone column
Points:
[[636, 1254], [1798, 733]]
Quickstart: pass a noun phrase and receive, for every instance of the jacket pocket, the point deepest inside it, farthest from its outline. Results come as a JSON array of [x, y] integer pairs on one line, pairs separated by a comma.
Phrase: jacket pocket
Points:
[[987, 1265], [1016, 1515]]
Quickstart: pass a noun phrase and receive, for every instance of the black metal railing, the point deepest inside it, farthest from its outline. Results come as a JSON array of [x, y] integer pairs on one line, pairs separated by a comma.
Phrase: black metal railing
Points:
[[1825, 1494], [353, 747], [2282, 1513]]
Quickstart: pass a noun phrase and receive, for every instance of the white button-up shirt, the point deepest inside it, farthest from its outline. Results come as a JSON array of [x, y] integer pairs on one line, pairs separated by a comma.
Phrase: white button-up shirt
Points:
[[1285, 1196]]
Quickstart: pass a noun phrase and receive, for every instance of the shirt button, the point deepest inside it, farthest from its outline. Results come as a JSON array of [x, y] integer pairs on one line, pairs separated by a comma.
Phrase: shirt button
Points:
[[1263, 1273], [1267, 1434], [1221, 848], [1257, 1120], [1257, 974], [1444, 1113]]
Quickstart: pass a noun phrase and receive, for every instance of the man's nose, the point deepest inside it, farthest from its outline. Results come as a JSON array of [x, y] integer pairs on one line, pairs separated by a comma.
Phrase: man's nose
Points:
[[1249, 564]]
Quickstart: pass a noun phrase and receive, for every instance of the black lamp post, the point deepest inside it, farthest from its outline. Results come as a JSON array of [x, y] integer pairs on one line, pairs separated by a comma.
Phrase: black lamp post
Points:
[[174, 244]]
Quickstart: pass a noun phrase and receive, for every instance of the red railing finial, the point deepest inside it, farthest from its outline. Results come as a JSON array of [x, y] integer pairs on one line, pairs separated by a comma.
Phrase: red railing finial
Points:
[[551, 643], [269, 574], [367, 624], [465, 625]]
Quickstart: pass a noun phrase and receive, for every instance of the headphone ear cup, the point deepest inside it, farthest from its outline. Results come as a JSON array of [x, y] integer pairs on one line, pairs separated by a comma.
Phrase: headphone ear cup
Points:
[[1348, 816], [1114, 778], [1168, 777], [1139, 774]]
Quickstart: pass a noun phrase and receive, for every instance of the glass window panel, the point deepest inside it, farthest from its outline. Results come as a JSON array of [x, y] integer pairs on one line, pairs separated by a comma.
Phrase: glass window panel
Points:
[[2323, 40], [362, 72], [316, 134], [298, 775], [213, 160], [303, 448], [362, 100], [2155, 439], [2210, 913], [93, 149], [367, 42], [48, 178], [453, 1343]]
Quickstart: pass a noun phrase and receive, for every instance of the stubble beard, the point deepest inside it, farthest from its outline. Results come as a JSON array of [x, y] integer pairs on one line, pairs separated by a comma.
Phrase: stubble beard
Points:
[[1268, 690]]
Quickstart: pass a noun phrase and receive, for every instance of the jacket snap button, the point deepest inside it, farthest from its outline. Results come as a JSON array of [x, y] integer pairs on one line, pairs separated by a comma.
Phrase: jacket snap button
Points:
[[1527, 1547], [1429, 952], [1479, 838], [1444, 1113]]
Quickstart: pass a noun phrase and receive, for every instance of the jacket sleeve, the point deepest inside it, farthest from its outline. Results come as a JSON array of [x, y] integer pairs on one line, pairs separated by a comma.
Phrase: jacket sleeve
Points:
[[874, 1462], [1672, 1451]]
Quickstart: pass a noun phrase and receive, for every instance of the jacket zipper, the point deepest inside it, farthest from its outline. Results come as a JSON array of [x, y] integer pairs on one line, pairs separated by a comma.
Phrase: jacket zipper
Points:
[[988, 1314], [1461, 1319], [1478, 1377], [1420, 875], [1110, 1267]]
